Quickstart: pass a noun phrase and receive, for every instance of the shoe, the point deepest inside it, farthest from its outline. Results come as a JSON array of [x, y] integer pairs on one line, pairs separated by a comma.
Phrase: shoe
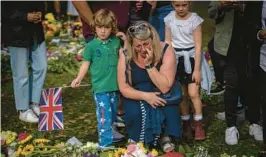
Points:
[[28, 116], [166, 144], [120, 123], [218, 90], [255, 130], [231, 136], [117, 137], [187, 131], [221, 115], [35, 108], [199, 131]]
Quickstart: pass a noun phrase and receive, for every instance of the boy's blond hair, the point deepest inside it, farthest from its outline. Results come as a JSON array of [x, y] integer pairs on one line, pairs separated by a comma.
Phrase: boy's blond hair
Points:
[[104, 18]]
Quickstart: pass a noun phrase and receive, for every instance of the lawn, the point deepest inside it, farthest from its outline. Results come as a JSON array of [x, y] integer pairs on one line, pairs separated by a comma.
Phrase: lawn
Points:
[[80, 117]]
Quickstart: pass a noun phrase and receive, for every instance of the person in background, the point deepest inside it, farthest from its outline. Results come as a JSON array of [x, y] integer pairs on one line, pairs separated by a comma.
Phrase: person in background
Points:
[[183, 32], [255, 50], [100, 58], [23, 34], [228, 42], [160, 9]]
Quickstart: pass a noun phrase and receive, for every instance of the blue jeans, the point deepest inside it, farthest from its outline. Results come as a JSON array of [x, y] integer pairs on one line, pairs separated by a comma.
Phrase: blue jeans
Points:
[[106, 105], [28, 87]]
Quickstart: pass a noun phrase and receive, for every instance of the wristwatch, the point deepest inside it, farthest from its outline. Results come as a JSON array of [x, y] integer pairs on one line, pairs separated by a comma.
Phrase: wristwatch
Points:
[[148, 66]]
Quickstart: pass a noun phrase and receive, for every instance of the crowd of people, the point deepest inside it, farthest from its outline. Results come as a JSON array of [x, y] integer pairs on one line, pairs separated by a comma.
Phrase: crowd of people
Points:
[[137, 52]]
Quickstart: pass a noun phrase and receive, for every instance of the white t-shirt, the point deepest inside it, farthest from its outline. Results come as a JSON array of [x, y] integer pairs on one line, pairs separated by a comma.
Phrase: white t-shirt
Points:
[[181, 30]]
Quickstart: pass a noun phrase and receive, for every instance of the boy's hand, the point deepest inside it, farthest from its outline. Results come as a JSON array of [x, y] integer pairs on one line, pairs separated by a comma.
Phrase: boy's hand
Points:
[[75, 83], [122, 36]]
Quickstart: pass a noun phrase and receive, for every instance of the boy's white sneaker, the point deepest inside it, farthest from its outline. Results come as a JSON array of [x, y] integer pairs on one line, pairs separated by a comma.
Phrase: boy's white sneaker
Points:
[[231, 136], [255, 130], [35, 108], [28, 116]]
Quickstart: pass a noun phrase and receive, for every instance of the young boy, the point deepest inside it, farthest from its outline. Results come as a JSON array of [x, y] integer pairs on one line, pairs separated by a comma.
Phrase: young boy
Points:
[[100, 57]]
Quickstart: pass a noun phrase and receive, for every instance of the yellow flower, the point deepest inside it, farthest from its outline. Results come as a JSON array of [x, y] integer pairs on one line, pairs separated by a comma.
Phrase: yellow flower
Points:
[[18, 152], [28, 149], [40, 140], [141, 146], [154, 152], [10, 138], [119, 152], [50, 17], [25, 140], [60, 144]]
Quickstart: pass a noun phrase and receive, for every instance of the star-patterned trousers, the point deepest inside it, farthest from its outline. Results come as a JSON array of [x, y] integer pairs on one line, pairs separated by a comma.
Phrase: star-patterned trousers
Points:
[[106, 109]]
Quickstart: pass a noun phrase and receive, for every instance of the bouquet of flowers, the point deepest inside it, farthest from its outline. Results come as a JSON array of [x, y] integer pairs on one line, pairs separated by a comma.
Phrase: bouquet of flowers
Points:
[[135, 150]]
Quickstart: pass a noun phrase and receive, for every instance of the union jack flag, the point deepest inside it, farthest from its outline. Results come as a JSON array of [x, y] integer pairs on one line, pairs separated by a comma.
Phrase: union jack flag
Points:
[[51, 115]]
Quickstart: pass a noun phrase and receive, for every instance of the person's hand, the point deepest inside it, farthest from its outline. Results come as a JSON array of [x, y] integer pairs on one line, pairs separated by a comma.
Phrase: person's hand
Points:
[[75, 83], [149, 56], [262, 34], [196, 76], [40, 17], [154, 100], [139, 5], [33, 17], [122, 36]]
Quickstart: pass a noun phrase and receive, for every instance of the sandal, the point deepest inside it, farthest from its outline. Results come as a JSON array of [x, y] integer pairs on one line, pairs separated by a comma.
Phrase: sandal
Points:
[[166, 144]]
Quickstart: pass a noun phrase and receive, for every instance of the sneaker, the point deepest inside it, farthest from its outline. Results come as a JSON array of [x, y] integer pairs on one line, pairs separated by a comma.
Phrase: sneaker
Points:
[[221, 115], [255, 130], [120, 123], [231, 136], [28, 116], [117, 137], [35, 108], [218, 90]]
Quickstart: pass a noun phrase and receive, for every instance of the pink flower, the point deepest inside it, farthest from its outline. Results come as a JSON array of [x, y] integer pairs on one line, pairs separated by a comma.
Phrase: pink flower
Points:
[[79, 58], [131, 148], [22, 136]]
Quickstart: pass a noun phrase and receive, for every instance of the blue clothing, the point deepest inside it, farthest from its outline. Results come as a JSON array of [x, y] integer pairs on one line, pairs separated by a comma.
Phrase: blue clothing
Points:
[[157, 20], [28, 87], [106, 104], [143, 122]]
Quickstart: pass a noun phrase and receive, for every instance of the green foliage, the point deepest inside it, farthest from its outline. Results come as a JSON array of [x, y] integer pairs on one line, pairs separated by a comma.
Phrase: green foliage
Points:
[[5, 67]]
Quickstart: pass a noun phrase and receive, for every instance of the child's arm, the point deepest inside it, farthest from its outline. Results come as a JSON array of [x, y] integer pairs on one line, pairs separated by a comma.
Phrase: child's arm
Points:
[[197, 37], [82, 72], [168, 35]]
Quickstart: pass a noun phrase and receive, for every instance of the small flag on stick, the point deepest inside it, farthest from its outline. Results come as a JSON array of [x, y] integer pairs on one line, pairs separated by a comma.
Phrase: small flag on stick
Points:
[[51, 112]]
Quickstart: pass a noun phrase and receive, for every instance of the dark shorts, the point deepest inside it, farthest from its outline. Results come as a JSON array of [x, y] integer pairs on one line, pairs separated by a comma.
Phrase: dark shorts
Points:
[[181, 74]]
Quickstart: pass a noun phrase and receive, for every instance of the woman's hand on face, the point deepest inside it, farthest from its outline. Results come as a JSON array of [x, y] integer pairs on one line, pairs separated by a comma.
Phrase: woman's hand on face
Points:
[[149, 56], [154, 100], [196, 77]]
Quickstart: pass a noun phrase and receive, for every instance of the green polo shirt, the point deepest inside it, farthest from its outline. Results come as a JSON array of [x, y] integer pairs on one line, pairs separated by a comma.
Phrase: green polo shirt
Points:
[[103, 58]]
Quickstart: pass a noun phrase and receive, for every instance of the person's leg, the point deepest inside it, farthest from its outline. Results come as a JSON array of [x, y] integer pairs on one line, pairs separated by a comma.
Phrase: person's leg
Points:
[[114, 99], [263, 101], [19, 65], [193, 91], [104, 119], [231, 95], [218, 62], [39, 68], [185, 114]]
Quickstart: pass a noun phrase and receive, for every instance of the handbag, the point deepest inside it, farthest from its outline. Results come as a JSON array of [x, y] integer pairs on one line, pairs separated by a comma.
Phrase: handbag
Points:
[[174, 95]]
